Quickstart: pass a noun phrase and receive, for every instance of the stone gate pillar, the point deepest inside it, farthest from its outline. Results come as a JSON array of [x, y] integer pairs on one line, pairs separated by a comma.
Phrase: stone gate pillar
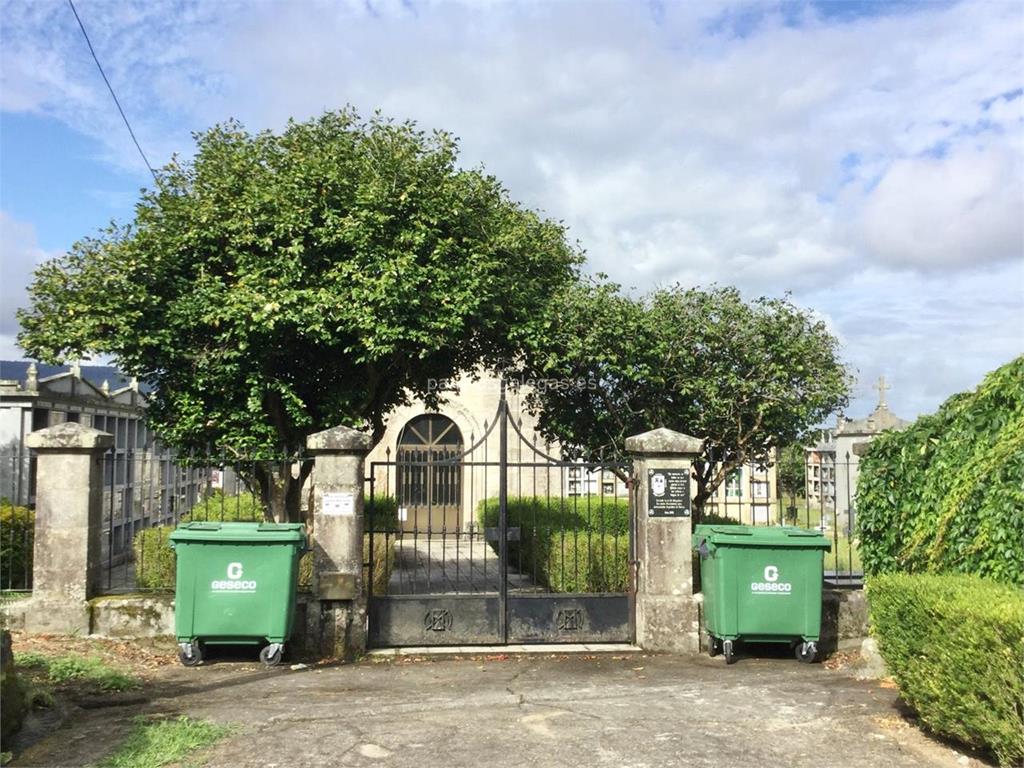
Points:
[[337, 618], [666, 612], [69, 526]]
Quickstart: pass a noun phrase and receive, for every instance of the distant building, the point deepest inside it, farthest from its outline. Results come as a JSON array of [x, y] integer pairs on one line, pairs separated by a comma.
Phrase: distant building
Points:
[[143, 484], [820, 472], [448, 497], [833, 467]]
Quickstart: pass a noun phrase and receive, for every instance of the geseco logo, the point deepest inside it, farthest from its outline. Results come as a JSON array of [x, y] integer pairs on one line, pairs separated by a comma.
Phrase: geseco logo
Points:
[[771, 584], [234, 581]]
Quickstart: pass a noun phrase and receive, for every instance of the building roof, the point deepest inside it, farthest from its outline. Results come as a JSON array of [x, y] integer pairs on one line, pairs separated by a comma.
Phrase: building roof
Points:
[[880, 419]]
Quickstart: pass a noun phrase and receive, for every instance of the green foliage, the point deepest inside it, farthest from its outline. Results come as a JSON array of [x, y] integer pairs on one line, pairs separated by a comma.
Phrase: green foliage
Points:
[[17, 529], [946, 494], [745, 376], [381, 514], [576, 544], [792, 471], [221, 508], [277, 285], [155, 563], [152, 744], [85, 669], [955, 645], [713, 519]]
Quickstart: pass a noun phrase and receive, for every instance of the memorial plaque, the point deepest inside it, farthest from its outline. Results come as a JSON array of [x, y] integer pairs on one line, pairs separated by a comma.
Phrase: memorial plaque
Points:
[[668, 493], [339, 504]]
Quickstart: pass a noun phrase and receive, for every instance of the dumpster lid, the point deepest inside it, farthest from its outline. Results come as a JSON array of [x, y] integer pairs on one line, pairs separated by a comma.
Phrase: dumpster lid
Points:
[[257, 533], [760, 536]]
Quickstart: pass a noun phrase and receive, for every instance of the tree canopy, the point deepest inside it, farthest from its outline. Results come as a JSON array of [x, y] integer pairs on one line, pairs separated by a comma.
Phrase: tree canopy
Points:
[[747, 376], [279, 284], [947, 493]]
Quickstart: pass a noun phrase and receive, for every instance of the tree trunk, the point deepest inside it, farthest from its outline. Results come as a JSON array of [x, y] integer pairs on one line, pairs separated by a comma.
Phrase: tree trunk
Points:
[[281, 490]]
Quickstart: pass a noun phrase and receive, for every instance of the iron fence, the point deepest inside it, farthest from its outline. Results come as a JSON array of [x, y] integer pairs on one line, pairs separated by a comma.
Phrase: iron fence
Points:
[[146, 493], [825, 501]]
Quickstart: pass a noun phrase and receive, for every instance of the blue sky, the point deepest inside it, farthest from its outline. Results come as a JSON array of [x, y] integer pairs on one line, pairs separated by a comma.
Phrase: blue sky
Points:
[[867, 157]]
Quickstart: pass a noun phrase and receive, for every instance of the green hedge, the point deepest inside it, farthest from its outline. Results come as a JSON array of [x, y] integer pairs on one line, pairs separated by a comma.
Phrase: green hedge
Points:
[[154, 558], [955, 645], [17, 529], [575, 544], [709, 518], [221, 508], [381, 514], [946, 494]]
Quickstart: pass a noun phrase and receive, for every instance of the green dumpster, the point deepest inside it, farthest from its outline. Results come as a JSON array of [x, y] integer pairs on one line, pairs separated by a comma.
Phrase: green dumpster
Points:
[[235, 584], [761, 584]]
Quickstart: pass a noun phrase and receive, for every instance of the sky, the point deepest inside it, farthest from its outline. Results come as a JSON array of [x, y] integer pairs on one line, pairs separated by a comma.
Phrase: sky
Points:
[[865, 157]]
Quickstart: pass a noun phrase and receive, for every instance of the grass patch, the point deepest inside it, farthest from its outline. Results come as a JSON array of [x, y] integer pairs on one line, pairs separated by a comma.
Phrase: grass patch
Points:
[[81, 669], [152, 744]]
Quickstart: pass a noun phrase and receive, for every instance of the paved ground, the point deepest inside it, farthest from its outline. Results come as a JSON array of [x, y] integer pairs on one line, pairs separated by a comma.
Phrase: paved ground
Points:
[[526, 712], [448, 563]]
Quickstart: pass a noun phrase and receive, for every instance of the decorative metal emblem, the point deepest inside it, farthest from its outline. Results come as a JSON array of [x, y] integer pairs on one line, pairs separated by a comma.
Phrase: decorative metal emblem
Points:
[[569, 620], [438, 620]]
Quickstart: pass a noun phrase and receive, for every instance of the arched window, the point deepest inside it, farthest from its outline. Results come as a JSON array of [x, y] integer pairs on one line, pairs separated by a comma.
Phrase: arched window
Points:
[[425, 477]]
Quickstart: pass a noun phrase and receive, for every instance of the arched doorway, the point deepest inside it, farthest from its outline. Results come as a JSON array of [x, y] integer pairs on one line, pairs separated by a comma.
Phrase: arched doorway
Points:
[[428, 476]]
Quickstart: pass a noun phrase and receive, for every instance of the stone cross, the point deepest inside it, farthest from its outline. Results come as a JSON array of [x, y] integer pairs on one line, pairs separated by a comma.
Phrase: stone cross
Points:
[[881, 387]]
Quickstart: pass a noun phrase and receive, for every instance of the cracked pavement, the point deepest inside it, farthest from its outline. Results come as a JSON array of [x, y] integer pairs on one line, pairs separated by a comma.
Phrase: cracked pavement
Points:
[[557, 710]]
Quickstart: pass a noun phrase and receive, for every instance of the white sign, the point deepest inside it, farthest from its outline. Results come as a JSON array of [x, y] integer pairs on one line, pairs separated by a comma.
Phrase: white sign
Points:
[[403, 514], [339, 504]]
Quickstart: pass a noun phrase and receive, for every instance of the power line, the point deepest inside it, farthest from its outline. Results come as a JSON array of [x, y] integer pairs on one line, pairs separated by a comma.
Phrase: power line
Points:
[[110, 88]]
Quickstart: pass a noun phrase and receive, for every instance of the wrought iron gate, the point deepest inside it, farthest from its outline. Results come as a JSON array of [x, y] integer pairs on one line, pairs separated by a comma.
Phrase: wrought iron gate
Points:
[[540, 549]]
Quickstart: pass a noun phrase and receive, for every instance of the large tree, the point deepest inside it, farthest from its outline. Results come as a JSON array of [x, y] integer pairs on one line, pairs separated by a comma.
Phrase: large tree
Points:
[[747, 376], [280, 284]]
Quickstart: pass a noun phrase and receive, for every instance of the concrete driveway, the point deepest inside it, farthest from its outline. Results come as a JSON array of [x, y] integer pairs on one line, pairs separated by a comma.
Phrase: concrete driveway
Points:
[[527, 711]]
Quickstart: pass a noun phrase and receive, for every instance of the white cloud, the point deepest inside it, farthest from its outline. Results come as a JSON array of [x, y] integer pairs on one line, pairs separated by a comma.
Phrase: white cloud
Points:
[[957, 210], [19, 255]]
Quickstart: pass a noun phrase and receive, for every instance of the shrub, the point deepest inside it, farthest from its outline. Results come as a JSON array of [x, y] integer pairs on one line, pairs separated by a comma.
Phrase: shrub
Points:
[[154, 559], [381, 514], [709, 518], [220, 508], [17, 529], [945, 495], [576, 544], [955, 645], [598, 563]]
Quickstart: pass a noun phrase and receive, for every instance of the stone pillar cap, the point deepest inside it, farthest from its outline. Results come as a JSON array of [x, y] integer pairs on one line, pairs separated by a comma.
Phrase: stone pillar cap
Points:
[[69, 436], [340, 439], [663, 441]]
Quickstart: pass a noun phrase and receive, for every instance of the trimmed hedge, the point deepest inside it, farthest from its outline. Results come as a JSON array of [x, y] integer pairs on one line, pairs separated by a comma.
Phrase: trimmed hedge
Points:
[[221, 508], [946, 494], [17, 530], [955, 645], [710, 518], [154, 559], [381, 514], [576, 544]]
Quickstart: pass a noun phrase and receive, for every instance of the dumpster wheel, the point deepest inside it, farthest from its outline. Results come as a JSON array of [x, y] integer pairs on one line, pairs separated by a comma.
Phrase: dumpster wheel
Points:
[[271, 654], [190, 654], [806, 652], [727, 649], [712, 645]]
